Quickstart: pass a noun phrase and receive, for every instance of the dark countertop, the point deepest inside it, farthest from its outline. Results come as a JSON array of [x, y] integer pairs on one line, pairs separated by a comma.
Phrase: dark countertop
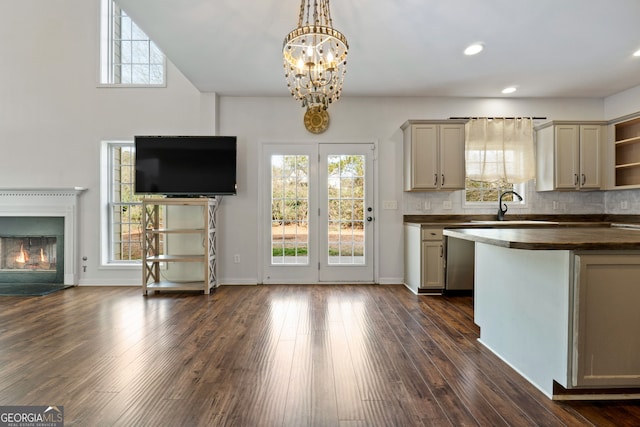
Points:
[[557, 238], [574, 219], [518, 221]]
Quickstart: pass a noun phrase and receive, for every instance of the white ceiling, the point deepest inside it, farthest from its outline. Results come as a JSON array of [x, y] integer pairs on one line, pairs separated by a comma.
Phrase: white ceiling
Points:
[[547, 48]]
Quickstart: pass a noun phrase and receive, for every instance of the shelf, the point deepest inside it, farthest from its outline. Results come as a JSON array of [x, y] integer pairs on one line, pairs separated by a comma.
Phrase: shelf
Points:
[[176, 286], [175, 230], [628, 165], [633, 140], [176, 258]]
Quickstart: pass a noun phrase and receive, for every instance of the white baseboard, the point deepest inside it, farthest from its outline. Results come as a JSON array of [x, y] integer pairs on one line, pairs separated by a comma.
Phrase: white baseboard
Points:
[[109, 283], [391, 281]]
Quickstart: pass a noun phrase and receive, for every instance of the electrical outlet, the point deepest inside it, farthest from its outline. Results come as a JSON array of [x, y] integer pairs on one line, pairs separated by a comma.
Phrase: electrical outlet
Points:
[[427, 205], [446, 204], [236, 259], [555, 205], [624, 204], [390, 205]]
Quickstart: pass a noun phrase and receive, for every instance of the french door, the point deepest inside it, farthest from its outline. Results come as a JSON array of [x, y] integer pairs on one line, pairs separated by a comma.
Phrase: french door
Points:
[[320, 221]]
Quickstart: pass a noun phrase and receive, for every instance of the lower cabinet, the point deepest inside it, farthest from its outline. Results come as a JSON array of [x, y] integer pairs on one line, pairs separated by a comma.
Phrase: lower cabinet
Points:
[[424, 258], [606, 321]]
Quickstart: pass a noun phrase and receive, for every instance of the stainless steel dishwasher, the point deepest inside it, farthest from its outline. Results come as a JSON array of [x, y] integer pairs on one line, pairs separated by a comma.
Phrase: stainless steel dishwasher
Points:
[[460, 264]]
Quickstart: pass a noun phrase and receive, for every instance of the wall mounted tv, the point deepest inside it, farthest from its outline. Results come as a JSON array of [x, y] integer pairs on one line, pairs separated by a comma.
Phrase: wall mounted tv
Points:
[[185, 166]]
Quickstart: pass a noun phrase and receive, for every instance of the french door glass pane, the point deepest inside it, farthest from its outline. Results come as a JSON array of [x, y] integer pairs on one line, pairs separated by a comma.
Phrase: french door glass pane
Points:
[[345, 206], [289, 209]]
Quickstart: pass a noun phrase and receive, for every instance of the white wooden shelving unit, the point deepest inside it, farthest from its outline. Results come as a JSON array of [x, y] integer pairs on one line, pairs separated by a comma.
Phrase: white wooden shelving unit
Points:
[[154, 246]]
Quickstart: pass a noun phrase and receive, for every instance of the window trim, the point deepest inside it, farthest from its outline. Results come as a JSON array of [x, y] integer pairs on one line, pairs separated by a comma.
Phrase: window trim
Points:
[[106, 181]]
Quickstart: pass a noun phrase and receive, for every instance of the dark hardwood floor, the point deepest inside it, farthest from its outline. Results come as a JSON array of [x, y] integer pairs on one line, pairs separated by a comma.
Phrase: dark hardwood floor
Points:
[[354, 355]]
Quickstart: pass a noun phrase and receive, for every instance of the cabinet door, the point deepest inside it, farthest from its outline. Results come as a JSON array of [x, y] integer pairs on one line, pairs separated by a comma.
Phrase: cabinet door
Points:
[[566, 162], [452, 171], [590, 161], [432, 265], [607, 342], [424, 157]]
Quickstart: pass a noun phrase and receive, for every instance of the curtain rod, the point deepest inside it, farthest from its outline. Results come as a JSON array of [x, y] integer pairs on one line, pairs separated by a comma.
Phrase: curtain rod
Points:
[[469, 118]]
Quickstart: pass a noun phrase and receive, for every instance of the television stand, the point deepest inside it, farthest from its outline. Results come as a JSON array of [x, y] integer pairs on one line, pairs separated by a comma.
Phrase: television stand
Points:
[[154, 245]]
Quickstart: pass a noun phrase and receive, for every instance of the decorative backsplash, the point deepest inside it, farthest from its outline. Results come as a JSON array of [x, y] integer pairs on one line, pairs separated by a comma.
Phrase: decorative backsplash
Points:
[[620, 202]]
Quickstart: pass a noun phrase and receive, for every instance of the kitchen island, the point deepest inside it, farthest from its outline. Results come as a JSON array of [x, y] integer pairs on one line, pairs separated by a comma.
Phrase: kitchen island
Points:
[[560, 305]]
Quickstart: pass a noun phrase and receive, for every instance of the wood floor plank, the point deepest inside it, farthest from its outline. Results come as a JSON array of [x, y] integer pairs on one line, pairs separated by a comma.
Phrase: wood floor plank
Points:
[[518, 390], [277, 355]]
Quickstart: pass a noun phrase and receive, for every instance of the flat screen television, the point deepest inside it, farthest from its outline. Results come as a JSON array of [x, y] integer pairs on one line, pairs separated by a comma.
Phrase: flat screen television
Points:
[[185, 166]]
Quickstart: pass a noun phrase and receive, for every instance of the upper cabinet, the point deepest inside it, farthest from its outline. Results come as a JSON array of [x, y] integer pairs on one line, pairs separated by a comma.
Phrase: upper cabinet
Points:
[[433, 155], [569, 155], [626, 153]]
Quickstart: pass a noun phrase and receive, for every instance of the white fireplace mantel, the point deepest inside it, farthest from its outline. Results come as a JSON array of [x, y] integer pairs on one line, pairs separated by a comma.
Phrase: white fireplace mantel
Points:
[[49, 202]]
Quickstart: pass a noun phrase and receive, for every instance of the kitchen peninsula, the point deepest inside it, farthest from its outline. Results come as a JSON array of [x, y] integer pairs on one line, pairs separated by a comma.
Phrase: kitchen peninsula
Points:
[[560, 305]]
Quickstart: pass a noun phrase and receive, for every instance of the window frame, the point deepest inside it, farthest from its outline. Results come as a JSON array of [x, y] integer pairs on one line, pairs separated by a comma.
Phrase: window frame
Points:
[[107, 182], [106, 65]]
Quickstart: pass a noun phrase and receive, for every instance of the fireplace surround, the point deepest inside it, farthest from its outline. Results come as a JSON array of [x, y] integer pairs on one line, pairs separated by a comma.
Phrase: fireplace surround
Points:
[[61, 246]]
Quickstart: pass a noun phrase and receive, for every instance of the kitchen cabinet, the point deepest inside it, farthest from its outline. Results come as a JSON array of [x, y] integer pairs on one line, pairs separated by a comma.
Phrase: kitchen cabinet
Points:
[[569, 155], [424, 259], [434, 155], [199, 250], [626, 153], [606, 316]]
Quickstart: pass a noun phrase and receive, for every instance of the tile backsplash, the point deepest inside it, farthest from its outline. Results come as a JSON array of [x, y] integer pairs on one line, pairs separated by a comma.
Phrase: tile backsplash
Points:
[[622, 202]]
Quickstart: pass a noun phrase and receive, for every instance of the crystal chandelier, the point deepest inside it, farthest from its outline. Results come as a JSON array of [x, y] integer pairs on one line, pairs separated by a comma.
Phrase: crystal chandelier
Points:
[[315, 57]]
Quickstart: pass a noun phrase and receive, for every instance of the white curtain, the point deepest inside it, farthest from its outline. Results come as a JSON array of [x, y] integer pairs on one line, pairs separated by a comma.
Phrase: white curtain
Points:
[[500, 149]]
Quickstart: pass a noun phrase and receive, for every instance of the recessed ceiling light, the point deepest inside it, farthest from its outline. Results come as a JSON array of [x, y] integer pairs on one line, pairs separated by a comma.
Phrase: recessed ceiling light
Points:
[[474, 49], [636, 53], [509, 89]]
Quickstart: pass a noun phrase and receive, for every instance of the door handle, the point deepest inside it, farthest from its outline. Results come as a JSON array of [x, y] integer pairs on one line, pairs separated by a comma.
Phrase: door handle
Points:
[[369, 218]]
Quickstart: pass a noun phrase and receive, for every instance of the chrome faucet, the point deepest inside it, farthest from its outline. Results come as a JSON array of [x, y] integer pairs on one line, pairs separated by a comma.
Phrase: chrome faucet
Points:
[[502, 208]]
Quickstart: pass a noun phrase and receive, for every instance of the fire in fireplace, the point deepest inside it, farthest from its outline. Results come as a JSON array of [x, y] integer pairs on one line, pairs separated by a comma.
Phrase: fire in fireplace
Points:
[[31, 250], [28, 253]]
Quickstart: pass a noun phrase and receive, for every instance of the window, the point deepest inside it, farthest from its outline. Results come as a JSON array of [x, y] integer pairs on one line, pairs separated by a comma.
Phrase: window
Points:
[[123, 227], [478, 191], [498, 152], [289, 209], [128, 57], [482, 191]]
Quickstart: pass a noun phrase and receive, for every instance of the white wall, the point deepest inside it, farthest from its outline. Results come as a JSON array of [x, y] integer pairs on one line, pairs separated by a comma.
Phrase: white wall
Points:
[[260, 120], [53, 118]]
